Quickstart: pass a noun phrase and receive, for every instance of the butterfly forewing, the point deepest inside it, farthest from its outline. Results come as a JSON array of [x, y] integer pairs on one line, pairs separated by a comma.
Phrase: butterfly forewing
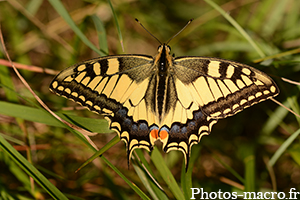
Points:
[[221, 87]]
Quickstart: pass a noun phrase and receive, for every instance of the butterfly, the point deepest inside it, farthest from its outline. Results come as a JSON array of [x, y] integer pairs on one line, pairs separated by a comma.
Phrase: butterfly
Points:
[[176, 100]]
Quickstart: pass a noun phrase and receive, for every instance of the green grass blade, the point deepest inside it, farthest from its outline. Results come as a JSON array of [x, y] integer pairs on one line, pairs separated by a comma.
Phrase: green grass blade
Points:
[[140, 167], [143, 176], [283, 147], [250, 173], [275, 17], [6, 80], [166, 174], [23, 111], [101, 34], [133, 186], [59, 7], [230, 169], [146, 182], [33, 6], [237, 26], [117, 24], [247, 152], [186, 176], [18, 173], [41, 116], [108, 145], [274, 119], [31, 170], [295, 153]]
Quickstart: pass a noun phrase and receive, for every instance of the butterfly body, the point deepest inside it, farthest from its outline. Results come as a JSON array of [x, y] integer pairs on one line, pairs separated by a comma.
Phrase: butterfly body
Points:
[[174, 100]]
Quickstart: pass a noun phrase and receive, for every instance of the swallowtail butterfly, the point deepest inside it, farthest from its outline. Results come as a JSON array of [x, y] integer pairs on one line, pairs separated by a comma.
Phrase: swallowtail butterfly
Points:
[[176, 100]]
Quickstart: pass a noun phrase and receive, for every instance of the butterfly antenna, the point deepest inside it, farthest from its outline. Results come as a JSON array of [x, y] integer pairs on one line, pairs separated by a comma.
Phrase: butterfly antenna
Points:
[[180, 30], [147, 30]]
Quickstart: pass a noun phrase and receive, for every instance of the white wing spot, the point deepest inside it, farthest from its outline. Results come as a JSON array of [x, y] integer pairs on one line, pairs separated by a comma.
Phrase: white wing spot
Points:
[[251, 98], [213, 69], [205, 93], [273, 89], [68, 79], [132, 143], [106, 111], [60, 88], [86, 80], [116, 124], [54, 84], [227, 110], [97, 107], [82, 98], [235, 106], [258, 94], [223, 88], [183, 145], [232, 87], [193, 137], [246, 80], [94, 82], [214, 88], [246, 71], [240, 83], [74, 94], [97, 68], [81, 67], [80, 77], [67, 90], [243, 101], [113, 66], [89, 103], [258, 82], [229, 71], [216, 114], [266, 92], [125, 134]]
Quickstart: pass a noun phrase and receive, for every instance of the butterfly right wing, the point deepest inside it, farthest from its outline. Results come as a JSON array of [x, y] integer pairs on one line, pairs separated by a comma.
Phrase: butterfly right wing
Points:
[[115, 86]]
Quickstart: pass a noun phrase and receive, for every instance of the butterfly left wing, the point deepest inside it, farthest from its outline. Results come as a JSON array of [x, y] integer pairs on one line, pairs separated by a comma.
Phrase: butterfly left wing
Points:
[[222, 87], [208, 89]]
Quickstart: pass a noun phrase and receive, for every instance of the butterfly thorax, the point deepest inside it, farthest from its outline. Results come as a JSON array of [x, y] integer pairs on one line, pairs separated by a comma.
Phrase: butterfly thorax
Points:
[[162, 62]]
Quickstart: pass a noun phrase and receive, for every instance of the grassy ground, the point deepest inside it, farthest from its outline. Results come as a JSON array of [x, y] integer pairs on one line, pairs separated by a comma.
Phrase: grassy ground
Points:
[[256, 150]]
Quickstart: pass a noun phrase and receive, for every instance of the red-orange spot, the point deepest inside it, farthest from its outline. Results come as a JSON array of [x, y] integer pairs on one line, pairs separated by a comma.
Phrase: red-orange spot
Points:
[[163, 134], [154, 133]]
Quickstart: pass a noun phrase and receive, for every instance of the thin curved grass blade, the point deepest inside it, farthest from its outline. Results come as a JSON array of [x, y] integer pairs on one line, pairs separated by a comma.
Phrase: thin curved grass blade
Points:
[[31, 170]]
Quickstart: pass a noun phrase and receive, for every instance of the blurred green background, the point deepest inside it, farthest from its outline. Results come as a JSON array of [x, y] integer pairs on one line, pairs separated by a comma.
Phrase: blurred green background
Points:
[[255, 150]]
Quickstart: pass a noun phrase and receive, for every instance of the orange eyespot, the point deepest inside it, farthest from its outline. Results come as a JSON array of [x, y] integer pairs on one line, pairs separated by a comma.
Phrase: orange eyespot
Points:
[[163, 134], [154, 133]]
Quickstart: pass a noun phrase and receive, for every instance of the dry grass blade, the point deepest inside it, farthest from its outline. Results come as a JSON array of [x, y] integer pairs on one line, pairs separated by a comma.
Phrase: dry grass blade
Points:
[[83, 131], [232, 183], [40, 25], [285, 107], [28, 67], [290, 81]]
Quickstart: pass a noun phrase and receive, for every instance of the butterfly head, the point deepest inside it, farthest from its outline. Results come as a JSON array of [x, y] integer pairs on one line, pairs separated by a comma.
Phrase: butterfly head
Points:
[[164, 48]]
